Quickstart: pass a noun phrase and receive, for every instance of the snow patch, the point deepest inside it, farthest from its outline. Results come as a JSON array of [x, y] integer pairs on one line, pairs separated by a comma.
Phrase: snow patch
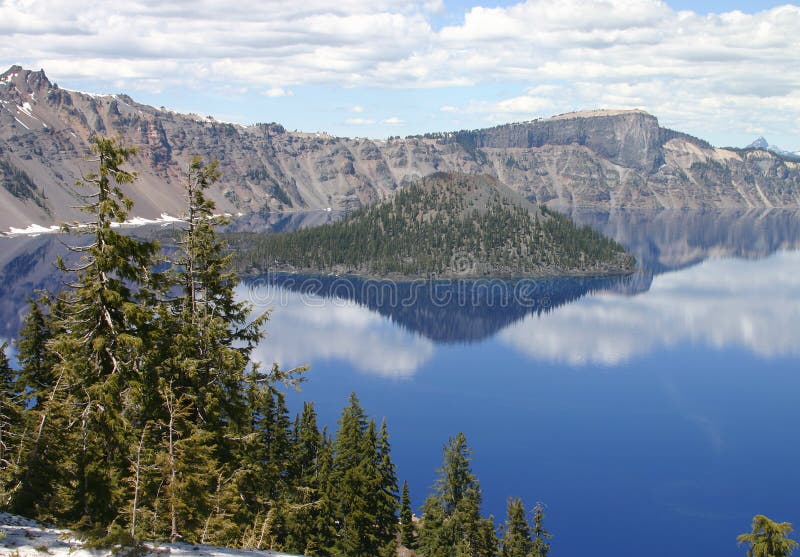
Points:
[[93, 95], [32, 230], [164, 218], [28, 538]]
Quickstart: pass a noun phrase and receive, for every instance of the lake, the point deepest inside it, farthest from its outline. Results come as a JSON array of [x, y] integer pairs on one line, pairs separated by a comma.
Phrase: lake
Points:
[[652, 415]]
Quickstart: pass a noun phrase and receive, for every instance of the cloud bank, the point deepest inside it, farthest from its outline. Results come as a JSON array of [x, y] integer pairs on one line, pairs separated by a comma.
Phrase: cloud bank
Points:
[[694, 71]]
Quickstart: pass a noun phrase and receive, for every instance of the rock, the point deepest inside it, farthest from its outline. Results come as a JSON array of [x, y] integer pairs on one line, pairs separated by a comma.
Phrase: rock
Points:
[[603, 159]]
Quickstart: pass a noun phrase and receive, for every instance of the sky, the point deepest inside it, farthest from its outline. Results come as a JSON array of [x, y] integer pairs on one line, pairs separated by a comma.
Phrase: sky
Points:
[[723, 71]]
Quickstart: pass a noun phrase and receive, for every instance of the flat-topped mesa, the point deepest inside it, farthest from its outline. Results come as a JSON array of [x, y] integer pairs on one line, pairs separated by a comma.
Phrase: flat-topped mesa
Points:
[[629, 138]]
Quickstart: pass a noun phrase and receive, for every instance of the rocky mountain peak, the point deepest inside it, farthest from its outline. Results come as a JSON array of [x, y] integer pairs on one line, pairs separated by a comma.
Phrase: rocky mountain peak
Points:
[[26, 81], [759, 143]]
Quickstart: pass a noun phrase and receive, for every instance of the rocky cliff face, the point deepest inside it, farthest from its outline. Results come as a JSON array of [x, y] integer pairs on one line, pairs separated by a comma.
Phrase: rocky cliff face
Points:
[[603, 159]]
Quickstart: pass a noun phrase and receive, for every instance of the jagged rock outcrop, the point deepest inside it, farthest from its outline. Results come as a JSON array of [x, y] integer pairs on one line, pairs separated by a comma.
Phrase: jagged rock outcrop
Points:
[[603, 159]]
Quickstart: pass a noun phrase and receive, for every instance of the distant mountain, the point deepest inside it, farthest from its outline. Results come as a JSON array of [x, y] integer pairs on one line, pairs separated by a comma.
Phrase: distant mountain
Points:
[[448, 225], [763, 144], [604, 159]]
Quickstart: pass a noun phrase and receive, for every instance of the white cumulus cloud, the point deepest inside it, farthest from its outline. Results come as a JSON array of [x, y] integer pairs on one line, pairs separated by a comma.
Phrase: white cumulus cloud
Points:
[[721, 72]]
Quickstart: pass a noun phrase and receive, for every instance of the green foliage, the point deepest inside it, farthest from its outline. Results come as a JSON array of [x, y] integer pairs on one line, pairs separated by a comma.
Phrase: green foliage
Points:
[[11, 420], [541, 547], [447, 224], [407, 532], [768, 538], [451, 521], [363, 478], [516, 531]]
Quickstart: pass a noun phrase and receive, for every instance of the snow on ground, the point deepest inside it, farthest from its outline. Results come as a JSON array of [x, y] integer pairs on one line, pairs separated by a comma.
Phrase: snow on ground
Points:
[[28, 538], [36, 229], [32, 230]]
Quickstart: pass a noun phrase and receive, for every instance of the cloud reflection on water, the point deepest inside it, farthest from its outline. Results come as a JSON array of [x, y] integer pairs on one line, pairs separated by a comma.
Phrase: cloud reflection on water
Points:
[[719, 303], [304, 329]]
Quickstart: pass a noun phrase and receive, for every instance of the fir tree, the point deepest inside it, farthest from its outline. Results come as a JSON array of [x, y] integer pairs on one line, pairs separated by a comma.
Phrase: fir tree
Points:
[[540, 546], [363, 479], [11, 430], [451, 518], [36, 361], [100, 346], [406, 519], [516, 531], [768, 538]]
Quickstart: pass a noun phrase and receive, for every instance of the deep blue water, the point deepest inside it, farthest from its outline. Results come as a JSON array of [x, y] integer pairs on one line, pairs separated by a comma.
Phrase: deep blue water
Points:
[[653, 415]]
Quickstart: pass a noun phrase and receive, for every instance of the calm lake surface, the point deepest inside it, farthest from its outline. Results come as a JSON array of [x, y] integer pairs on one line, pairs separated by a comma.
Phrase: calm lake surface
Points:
[[653, 414]]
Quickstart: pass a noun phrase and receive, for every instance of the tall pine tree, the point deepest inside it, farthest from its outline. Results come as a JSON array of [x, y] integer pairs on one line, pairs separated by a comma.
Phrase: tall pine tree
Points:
[[540, 545], [11, 430], [406, 519], [362, 476], [451, 518], [516, 531], [99, 347]]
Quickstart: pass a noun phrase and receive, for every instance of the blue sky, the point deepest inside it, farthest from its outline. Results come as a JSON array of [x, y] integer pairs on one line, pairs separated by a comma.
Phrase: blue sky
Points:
[[376, 68]]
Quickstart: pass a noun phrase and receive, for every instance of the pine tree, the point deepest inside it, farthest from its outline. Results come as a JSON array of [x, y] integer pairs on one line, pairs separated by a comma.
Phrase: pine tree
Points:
[[197, 400], [386, 488], [11, 430], [516, 531], [456, 479], [362, 485], [540, 546], [451, 518], [406, 519], [99, 347], [47, 452], [768, 538], [36, 361], [306, 532]]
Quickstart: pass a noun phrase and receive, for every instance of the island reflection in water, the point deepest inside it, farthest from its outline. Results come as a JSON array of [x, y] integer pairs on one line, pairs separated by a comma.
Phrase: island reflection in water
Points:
[[391, 328]]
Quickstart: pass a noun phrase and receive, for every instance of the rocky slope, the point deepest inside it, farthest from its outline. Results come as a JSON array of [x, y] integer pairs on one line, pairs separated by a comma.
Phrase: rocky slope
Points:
[[602, 159]]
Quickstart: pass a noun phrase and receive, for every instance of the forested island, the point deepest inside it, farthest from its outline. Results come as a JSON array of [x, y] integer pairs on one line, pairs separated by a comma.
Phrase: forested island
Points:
[[448, 225]]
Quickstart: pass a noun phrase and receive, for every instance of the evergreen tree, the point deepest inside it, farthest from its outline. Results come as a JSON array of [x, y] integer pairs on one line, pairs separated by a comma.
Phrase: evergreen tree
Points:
[[36, 361], [363, 486], [516, 531], [47, 451], [231, 411], [307, 532], [99, 347], [541, 547], [386, 488], [768, 538], [451, 518], [11, 430], [406, 519], [456, 479]]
